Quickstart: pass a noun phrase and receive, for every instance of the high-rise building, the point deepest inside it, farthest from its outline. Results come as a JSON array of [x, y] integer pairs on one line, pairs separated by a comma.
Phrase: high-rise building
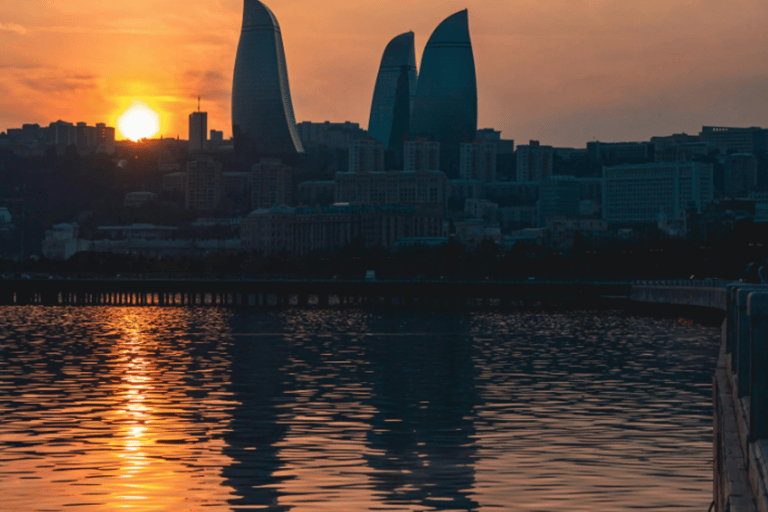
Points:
[[387, 117], [263, 122], [740, 173], [198, 131], [105, 136], [62, 132], [655, 192], [271, 184], [366, 155], [478, 161], [534, 161], [421, 155], [204, 185], [445, 109]]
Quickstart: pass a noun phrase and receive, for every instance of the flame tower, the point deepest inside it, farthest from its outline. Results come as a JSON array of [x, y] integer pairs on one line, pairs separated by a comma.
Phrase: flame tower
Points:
[[262, 113], [445, 109], [399, 59]]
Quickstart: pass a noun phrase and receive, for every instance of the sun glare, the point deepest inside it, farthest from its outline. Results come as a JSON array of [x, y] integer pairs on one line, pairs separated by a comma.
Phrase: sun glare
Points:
[[139, 121]]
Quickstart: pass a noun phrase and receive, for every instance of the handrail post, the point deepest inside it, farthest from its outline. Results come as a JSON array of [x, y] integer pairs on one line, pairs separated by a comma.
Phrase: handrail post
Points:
[[741, 349], [758, 399], [729, 310]]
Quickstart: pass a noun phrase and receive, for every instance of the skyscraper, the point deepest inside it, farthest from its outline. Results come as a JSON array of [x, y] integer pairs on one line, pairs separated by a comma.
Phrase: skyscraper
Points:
[[399, 59], [262, 113], [445, 109], [198, 131]]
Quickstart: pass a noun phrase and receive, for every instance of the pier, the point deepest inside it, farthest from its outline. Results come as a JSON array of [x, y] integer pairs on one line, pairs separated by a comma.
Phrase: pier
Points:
[[307, 293]]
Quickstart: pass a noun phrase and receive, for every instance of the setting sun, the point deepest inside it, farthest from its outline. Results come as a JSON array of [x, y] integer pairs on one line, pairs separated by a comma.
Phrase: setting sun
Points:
[[139, 121]]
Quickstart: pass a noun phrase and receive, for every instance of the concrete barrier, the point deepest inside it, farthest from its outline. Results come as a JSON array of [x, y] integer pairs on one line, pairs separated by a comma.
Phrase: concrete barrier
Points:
[[741, 403]]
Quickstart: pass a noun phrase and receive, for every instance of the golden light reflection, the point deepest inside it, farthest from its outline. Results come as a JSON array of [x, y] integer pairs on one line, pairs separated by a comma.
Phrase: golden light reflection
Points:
[[153, 457], [139, 121]]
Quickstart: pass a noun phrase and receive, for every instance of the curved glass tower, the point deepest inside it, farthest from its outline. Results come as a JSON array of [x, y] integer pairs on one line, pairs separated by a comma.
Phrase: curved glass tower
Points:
[[262, 112], [399, 58], [445, 109]]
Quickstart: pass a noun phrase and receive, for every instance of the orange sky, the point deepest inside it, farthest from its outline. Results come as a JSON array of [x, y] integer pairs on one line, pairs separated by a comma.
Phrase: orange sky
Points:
[[562, 71]]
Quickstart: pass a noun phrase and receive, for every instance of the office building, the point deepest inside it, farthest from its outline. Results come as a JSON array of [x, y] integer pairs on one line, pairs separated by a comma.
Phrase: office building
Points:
[[393, 187], [421, 155], [735, 140], [298, 231], [366, 155], [397, 78], [445, 108], [620, 152], [740, 173], [559, 196], [198, 131], [329, 135], [263, 122], [204, 185], [655, 192], [271, 184], [534, 161], [478, 161]]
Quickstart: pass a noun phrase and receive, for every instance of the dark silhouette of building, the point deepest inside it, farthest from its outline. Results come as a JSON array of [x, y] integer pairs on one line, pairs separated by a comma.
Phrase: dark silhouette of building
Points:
[[397, 79], [445, 109], [263, 122]]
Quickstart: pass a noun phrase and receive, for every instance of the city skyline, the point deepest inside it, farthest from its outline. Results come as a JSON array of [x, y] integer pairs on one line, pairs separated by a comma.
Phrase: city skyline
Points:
[[601, 70]]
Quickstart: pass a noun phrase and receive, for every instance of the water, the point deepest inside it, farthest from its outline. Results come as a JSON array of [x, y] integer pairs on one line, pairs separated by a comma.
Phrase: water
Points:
[[212, 409]]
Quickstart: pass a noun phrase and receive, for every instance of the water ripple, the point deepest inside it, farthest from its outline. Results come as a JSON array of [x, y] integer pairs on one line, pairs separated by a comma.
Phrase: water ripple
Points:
[[185, 409]]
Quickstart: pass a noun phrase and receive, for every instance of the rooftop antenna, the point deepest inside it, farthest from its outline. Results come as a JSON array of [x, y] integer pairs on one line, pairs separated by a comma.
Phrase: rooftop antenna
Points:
[[198, 103]]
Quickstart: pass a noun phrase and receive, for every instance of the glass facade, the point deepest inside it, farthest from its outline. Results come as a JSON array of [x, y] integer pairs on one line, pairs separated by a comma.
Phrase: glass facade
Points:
[[262, 113], [445, 109], [399, 56]]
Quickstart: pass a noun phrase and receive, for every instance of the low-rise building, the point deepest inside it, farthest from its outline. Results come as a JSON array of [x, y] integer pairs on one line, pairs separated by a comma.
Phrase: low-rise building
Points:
[[558, 196], [316, 193], [61, 242], [139, 199], [562, 231], [137, 232], [392, 187], [472, 232], [298, 231]]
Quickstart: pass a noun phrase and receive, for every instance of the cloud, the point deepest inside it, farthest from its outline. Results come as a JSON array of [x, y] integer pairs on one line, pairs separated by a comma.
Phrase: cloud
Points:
[[13, 27], [57, 83]]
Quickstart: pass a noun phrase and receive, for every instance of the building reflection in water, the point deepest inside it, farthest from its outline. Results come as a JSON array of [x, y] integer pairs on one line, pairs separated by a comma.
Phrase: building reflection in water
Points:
[[212, 409], [259, 387], [423, 437], [339, 421]]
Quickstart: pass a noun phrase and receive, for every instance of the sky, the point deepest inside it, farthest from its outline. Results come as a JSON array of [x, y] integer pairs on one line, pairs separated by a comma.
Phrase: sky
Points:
[[564, 72]]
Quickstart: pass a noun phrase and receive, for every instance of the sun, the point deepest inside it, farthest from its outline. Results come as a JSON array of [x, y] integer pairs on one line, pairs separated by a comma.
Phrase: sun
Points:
[[139, 121]]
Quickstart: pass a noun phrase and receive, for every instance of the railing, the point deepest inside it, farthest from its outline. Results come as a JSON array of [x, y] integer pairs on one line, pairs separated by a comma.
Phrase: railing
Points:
[[310, 293], [707, 293], [741, 402]]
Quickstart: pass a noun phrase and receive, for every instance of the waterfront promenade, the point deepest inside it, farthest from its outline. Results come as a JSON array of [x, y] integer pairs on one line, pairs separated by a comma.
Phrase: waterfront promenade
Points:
[[740, 385]]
